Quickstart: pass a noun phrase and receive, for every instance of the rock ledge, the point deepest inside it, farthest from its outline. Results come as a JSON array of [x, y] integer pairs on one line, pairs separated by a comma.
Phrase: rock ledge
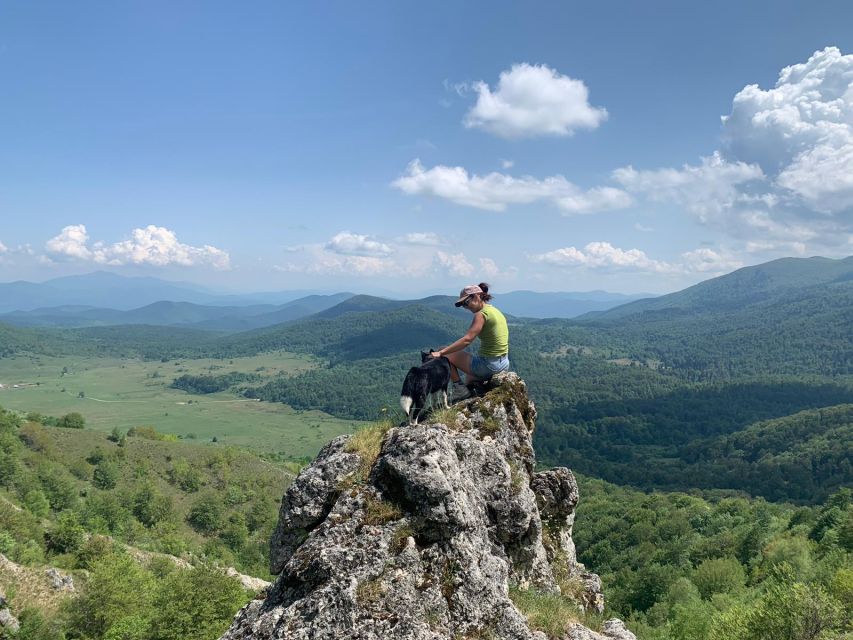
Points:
[[418, 532]]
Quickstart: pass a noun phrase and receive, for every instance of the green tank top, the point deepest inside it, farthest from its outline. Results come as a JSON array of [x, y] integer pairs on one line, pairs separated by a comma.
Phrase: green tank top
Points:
[[494, 337]]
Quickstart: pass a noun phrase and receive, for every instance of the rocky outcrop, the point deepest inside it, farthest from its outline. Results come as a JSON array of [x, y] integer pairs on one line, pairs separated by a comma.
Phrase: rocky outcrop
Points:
[[58, 580], [419, 532]]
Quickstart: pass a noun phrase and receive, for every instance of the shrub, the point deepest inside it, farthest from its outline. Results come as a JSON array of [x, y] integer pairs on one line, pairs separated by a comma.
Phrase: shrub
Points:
[[187, 477], [36, 503], [67, 535], [205, 516], [72, 420], [106, 475], [117, 589], [59, 487], [150, 506], [196, 605], [235, 533], [718, 575], [93, 550]]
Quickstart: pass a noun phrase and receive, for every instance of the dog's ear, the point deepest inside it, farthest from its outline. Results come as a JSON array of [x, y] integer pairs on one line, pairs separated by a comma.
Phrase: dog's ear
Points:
[[424, 356]]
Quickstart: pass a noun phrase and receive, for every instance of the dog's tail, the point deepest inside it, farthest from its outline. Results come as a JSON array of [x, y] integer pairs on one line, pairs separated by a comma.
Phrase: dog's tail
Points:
[[408, 392], [406, 404]]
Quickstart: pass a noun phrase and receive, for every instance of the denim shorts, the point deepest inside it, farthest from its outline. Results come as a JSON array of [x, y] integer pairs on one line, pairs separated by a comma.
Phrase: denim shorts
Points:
[[485, 367]]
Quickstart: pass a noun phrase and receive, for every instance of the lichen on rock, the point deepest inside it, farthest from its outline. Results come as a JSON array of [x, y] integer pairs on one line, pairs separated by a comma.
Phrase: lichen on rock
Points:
[[428, 542]]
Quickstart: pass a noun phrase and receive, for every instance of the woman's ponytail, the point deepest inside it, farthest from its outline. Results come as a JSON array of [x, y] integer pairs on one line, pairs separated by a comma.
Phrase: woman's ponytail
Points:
[[485, 296]]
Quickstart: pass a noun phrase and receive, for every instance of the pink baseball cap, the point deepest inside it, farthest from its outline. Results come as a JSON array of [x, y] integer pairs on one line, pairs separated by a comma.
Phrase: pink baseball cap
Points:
[[467, 292]]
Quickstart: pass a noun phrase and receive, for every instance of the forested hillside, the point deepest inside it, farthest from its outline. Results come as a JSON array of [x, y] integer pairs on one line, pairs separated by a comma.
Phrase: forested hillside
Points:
[[105, 509], [642, 395], [719, 567]]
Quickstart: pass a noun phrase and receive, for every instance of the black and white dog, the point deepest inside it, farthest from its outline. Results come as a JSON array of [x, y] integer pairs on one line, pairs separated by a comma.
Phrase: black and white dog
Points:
[[425, 382]]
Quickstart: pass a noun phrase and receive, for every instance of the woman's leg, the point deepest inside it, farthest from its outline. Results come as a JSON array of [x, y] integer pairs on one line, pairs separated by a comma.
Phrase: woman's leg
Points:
[[462, 360]]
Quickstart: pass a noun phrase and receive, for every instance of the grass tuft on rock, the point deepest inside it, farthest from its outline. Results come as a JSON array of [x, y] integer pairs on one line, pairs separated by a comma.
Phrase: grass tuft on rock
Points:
[[546, 612], [378, 512], [369, 591], [399, 537], [446, 416], [367, 443]]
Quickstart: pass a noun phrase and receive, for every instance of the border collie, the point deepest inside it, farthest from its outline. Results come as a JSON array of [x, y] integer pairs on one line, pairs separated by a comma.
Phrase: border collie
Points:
[[432, 377]]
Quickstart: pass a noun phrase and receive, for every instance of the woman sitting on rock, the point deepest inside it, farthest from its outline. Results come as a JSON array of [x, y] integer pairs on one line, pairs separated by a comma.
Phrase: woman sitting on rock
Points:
[[489, 325]]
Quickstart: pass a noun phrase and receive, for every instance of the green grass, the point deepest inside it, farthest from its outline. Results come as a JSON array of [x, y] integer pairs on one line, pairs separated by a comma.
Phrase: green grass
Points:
[[547, 612], [127, 393]]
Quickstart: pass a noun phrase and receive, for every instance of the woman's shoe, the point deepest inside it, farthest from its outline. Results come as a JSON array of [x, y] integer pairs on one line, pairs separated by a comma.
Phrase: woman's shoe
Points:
[[460, 392]]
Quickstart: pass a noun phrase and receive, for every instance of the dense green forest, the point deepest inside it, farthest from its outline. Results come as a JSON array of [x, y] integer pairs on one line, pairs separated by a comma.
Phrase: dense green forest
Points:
[[720, 567]]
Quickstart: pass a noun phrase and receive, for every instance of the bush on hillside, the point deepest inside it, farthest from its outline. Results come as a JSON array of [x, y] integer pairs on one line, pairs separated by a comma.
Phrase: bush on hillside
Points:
[[73, 420]]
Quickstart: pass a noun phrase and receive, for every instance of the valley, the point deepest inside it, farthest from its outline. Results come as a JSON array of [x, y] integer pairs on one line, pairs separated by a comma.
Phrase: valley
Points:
[[116, 393]]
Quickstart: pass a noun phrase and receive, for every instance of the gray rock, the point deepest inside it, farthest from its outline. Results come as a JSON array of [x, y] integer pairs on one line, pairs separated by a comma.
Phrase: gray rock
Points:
[[8, 621], [59, 580], [425, 545], [613, 629]]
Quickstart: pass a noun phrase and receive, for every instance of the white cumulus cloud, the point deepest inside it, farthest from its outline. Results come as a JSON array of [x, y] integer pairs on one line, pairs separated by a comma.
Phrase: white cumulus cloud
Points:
[[800, 131], [495, 191], [3, 248], [70, 243], [604, 256], [355, 244], [151, 245], [533, 100]]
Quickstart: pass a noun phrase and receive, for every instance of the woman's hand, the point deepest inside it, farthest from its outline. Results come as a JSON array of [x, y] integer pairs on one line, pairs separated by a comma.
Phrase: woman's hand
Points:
[[435, 354]]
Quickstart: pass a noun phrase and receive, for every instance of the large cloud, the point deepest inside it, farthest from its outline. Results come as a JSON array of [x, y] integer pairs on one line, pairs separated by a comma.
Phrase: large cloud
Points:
[[495, 191], [783, 178], [533, 100], [801, 131], [150, 245]]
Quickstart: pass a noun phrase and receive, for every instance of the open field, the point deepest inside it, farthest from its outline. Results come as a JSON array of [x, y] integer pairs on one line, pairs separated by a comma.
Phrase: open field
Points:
[[126, 393]]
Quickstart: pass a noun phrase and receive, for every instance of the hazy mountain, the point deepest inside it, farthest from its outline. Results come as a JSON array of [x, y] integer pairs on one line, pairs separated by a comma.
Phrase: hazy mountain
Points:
[[112, 291], [186, 314], [762, 283], [533, 304]]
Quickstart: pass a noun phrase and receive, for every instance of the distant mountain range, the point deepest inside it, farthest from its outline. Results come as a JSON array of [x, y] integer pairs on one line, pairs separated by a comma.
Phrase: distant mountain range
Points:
[[103, 289], [738, 290], [105, 299]]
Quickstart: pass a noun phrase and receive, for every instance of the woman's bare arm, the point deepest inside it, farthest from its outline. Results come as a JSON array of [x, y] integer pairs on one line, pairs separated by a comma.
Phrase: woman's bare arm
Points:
[[473, 331]]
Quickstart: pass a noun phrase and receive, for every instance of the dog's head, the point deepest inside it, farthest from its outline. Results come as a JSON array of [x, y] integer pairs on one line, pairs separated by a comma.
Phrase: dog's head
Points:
[[425, 356]]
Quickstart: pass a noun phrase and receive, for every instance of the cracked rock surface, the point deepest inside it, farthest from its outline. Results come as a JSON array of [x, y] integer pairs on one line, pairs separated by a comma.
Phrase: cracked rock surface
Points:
[[424, 540]]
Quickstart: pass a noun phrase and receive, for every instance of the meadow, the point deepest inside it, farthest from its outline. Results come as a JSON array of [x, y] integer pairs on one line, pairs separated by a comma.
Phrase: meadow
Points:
[[124, 393]]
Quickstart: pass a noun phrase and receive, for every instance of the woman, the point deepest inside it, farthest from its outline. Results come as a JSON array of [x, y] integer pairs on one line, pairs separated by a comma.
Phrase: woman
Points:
[[489, 325]]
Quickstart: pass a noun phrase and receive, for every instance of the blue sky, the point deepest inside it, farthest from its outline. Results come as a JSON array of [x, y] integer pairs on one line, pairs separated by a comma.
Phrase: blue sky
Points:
[[415, 147]]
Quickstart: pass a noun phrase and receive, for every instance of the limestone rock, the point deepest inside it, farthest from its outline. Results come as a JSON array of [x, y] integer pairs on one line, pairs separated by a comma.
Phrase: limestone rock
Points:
[[424, 541], [59, 581], [248, 582], [613, 629], [8, 622]]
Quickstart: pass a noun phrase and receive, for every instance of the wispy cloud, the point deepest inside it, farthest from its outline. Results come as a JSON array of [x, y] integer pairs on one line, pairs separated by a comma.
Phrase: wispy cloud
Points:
[[495, 191], [355, 244]]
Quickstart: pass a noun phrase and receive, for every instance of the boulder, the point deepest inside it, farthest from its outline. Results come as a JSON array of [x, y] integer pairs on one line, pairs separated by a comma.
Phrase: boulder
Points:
[[423, 540]]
